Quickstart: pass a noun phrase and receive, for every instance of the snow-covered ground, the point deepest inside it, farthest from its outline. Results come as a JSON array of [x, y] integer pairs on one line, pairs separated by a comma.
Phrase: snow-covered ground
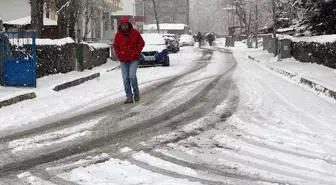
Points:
[[274, 132], [280, 133], [107, 89], [115, 171], [316, 73]]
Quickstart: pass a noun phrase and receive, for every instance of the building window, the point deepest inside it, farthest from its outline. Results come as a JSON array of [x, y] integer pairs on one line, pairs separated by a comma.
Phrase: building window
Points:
[[112, 24], [53, 16]]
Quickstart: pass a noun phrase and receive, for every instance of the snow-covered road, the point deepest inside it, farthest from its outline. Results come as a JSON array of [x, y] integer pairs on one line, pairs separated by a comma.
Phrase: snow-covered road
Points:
[[217, 119]]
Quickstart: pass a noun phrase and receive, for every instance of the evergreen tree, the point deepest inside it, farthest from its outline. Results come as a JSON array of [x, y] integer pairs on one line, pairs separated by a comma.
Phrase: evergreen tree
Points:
[[318, 16]]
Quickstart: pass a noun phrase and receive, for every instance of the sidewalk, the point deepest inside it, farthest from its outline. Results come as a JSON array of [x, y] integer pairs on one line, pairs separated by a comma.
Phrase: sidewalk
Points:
[[50, 106], [12, 95], [318, 77]]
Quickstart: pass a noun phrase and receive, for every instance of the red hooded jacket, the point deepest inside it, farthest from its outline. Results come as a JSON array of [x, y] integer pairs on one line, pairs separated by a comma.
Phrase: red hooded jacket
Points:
[[128, 46]]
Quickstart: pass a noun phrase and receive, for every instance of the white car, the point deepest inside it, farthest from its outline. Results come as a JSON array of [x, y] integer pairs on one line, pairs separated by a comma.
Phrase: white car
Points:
[[173, 44], [186, 40], [155, 50]]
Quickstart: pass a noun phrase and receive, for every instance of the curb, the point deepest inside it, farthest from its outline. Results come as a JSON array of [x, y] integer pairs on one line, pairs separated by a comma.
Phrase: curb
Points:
[[76, 82], [253, 59], [319, 87], [225, 50], [283, 72], [305, 81], [112, 69], [17, 99]]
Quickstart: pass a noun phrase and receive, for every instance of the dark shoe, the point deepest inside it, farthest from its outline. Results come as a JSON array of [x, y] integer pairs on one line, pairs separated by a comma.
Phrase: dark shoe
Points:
[[136, 98], [129, 100]]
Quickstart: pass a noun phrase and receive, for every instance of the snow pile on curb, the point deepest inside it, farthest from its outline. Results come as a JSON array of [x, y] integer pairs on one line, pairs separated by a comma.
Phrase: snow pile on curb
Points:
[[322, 39], [57, 42], [97, 45], [311, 76]]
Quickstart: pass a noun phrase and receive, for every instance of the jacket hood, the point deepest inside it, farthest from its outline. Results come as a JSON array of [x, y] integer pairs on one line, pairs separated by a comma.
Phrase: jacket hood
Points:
[[125, 20]]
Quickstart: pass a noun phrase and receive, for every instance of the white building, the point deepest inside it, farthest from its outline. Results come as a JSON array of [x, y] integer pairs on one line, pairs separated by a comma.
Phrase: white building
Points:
[[104, 26], [16, 18], [11, 10]]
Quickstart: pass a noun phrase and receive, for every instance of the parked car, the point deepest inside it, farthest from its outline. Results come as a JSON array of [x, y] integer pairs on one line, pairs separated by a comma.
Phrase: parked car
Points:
[[186, 40], [172, 43], [155, 50]]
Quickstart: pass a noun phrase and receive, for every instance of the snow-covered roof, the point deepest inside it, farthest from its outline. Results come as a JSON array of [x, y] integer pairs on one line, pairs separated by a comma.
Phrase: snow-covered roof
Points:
[[27, 20], [167, 26]]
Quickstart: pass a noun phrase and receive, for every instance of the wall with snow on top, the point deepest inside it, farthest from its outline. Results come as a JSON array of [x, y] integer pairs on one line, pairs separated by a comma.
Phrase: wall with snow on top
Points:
[[317, 49], [94, 54]]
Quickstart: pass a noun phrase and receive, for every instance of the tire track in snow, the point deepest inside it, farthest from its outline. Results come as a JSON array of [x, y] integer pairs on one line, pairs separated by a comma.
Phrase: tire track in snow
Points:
[[154, 91], [101, 111], [294, 137], [102, 140]]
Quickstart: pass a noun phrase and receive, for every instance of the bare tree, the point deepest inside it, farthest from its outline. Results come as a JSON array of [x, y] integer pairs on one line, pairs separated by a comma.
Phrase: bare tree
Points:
[[62, 20], [156, 17], [37, 16], [68, 14], [88, 10], [73, 15]]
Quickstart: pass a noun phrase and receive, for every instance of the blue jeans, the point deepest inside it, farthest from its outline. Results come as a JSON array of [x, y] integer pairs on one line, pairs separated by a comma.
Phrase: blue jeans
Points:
[[128, 71]]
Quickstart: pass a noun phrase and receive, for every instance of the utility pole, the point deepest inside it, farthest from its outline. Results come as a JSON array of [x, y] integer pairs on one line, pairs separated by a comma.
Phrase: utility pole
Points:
[[1, 25], [274, 29], [228, 21], [257, 24], [233, 20], [188, 12], [156, 17]]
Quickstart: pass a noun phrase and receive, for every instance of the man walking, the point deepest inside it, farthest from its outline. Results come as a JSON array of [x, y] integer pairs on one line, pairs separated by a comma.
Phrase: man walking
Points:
[[128, 45], [199, 39]]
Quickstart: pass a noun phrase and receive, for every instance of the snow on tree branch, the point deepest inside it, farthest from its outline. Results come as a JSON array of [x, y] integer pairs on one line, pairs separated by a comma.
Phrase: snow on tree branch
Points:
[[65, 5]]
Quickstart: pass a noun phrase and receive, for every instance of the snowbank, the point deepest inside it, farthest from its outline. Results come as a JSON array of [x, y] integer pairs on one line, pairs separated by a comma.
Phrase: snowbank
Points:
[[41, 42], [322, 39], [97, 45], [57, 42]]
